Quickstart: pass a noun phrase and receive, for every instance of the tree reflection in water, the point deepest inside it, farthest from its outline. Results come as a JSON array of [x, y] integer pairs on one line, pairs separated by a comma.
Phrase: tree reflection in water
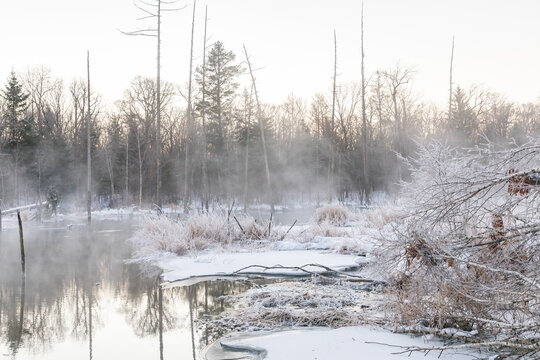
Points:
[[77, 281]]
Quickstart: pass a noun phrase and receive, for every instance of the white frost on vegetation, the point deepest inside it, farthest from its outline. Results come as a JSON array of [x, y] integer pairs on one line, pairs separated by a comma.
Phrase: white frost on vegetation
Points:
[[308, 303], [335, 214]]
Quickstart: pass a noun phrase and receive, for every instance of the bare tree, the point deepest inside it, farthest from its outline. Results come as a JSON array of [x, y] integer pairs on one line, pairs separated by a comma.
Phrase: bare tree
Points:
[[364, 118], [261, 126], [153, 10], [332, 129], [203, 113], [189, 116], [450, 92], [89, 147]]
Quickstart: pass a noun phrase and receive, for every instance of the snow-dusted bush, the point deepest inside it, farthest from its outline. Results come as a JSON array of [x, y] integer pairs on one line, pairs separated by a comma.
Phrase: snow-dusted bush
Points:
[[208, 228], [198, 232], [158, 234], [335, 214], [466, 253]]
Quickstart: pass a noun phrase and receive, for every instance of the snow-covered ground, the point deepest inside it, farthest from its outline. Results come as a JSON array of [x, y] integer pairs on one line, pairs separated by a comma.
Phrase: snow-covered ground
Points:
[[206, 265], [347, 343]]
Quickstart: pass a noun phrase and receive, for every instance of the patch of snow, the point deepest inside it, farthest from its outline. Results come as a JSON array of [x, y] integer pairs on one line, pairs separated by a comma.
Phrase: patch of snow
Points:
[[226, 264], [348, 343]]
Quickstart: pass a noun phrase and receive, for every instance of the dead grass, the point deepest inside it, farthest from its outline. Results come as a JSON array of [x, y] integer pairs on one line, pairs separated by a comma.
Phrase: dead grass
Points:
[[198, 232], [335, 214]]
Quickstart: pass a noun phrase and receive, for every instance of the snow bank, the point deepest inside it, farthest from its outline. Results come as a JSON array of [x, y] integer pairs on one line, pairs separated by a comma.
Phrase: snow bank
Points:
[[348, 343], [228, 264]]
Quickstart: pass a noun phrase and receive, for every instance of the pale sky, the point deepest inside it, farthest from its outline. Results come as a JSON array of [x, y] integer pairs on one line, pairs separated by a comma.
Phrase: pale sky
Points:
[[291, 41]]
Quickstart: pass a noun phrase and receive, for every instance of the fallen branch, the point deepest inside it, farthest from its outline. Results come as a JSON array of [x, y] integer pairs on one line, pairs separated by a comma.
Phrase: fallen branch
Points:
[[507, 344], [303, 269], [283, 237], [240, 226]]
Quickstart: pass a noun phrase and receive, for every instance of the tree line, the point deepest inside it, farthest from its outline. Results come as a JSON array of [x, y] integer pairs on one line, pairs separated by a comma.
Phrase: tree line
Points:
[[316, 150]]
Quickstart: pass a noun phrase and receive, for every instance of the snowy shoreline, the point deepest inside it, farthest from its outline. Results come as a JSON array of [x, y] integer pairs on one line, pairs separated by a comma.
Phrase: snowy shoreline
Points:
[[344, 343]]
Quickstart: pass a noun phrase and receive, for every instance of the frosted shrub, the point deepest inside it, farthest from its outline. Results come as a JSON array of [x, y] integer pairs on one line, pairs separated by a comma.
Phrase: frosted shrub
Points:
[[198, 232], [334, 214], [158, 234], [208, 228], [466, 253]]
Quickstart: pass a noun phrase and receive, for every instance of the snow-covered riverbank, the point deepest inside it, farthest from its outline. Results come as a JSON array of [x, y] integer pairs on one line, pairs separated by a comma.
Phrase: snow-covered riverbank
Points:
[[347, 343]]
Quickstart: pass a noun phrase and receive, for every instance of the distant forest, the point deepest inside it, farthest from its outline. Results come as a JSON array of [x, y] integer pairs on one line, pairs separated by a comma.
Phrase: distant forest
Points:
[[318, 149]]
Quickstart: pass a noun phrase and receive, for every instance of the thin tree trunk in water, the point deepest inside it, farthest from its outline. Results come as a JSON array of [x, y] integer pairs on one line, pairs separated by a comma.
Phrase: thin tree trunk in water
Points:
[[332, 135], [203, 110], [21, 245], [189, 117], [88, 148], [160, 325], [364, 119], [261, 126]]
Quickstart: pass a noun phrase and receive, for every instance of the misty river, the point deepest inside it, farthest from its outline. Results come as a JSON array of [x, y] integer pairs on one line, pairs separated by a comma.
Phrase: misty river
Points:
[[81, 300]]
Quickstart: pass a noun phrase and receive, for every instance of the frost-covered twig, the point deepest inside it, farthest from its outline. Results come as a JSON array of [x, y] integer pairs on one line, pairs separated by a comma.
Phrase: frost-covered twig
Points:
[[304, 270]]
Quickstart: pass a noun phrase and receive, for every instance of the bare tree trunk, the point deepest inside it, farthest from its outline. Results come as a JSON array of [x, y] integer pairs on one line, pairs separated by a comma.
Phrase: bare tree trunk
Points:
[[140, 167], [158, 105], [88, 147], [110, 170], [203, 110], [364, 120], [317, 160], [126, 201], [246, 163], [261, 126], [451, 73], [189, 117], [332, 135]]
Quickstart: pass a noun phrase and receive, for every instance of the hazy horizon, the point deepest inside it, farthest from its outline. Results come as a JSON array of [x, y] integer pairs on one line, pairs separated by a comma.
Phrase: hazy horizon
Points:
[[290, 42]]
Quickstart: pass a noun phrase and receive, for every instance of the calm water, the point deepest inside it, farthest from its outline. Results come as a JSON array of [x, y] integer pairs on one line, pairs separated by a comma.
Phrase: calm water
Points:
[[81, 301]]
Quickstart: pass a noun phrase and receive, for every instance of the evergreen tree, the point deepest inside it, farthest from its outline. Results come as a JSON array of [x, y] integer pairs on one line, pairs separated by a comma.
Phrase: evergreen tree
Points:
[[18, 124], [220, 91]]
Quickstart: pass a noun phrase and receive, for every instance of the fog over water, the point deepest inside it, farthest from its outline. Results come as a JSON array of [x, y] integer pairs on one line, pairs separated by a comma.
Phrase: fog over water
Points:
[[82, 301]]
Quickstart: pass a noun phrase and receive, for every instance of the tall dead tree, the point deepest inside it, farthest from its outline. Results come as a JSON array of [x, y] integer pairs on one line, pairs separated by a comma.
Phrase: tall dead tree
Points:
[[332, 129], [88, 146], [189, 116], [203, 113], [153, 10], [364, 118], [451, 73], [261, 126], [246, 159]]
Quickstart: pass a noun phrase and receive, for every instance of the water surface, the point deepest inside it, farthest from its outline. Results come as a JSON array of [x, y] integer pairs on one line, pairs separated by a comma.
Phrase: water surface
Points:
[[80, 300]]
